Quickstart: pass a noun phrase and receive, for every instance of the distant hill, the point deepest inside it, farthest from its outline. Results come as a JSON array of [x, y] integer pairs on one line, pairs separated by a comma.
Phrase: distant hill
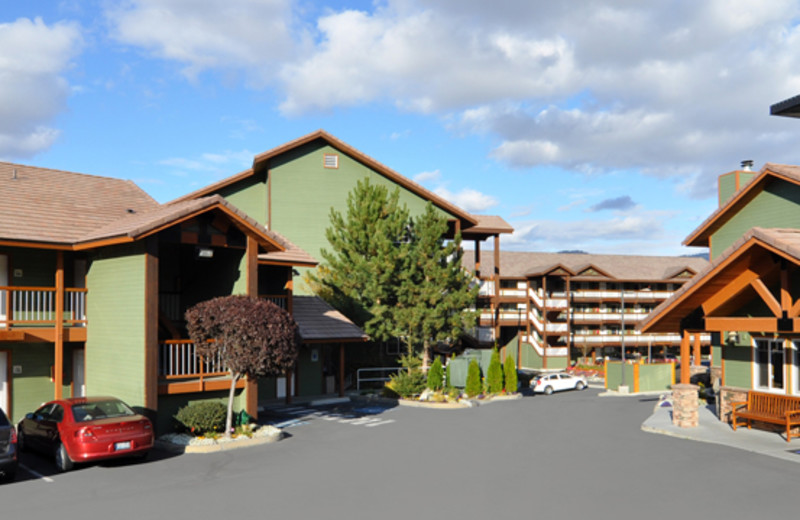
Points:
[[574, 252], [697, 255]]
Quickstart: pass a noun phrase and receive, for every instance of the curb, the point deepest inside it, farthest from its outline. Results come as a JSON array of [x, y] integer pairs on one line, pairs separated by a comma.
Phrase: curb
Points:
[[218, 446]]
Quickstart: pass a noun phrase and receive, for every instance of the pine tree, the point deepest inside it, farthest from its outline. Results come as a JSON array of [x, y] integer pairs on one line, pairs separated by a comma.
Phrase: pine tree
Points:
[[495, 373], [361, 274], [510, 370], [435, 292]]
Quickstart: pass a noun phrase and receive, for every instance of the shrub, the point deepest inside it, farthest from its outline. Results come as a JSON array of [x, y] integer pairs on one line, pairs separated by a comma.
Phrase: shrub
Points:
[[201, 418], [447, 378], [407, 384], [510, 369], [435, 375], [474, 385], [494, 375]]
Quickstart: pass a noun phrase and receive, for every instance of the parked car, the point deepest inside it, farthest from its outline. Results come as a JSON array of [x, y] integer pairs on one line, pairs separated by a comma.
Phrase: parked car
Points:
[[549, 383], [86, 429], [8, 448]]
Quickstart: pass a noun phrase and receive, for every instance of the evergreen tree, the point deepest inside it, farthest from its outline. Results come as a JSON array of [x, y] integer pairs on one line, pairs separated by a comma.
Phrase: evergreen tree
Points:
[[435, 292], [510, 370], [361, 274], [473, 386], [435, 375], [494, 374]]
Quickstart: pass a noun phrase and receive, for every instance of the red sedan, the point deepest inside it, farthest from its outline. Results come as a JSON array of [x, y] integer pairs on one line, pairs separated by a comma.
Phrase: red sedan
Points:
[[85, 429]]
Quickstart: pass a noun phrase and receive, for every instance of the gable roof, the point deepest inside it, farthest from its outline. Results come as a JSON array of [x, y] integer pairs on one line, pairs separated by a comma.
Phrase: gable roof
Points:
[[769, 173], [139, 225], [515, 264], [488, 225], [262, 159], [319, 322], [710, 280], [42, 205], [291, 255]]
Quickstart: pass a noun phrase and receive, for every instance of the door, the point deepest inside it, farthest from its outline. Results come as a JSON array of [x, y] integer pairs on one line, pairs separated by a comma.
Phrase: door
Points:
[[5, 394], [78, 373]]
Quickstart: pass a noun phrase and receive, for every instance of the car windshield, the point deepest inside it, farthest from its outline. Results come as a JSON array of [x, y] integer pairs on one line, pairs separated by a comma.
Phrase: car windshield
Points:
[[100, 410], [3, 419]]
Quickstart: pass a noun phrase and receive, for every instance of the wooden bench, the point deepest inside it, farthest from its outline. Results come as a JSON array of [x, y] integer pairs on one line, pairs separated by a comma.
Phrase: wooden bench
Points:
[[769, 408]]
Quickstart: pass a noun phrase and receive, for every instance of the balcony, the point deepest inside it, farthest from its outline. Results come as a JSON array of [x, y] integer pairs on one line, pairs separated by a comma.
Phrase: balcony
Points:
[[181, 369], [31, 311]]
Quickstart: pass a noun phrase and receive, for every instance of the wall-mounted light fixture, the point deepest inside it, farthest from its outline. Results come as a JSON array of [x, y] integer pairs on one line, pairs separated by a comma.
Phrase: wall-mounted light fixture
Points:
[[205, 252], [733, 338]]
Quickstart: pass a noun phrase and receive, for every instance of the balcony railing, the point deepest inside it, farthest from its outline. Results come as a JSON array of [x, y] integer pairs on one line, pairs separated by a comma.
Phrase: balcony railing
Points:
[[36, 307], [179, 359], [281, 300]]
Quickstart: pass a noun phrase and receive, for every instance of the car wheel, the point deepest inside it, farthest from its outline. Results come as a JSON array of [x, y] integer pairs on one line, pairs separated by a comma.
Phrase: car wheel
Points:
[[548, 390], [10, 475], [22, 442], [63, 462], [580, 386]]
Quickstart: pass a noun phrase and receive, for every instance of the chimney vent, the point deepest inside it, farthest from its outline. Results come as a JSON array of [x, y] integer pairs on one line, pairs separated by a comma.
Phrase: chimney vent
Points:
[[14, 175], [747, 165]]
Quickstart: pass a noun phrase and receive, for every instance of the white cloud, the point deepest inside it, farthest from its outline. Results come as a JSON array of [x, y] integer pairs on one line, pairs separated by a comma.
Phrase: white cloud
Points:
[[468, 199], [33, 90], [431, 176], [212, 165], [244, 36]]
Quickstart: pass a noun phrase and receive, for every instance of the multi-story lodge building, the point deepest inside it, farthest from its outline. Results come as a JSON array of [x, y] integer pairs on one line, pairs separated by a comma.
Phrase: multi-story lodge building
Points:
[[555, 307]]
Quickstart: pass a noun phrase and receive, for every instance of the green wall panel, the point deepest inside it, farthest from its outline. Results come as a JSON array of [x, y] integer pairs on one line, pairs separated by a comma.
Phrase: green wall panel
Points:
[[115, 336], [32, 387], [738, 370], [778, 205], [310, 372], [250, 196], [654, 377]]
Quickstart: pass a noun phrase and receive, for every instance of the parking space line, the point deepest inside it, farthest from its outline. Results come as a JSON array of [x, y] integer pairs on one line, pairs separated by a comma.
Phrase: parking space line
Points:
[[35, 473]]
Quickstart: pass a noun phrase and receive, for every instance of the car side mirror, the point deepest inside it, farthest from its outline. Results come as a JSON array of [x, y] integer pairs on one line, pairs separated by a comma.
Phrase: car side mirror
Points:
[[29, 416]]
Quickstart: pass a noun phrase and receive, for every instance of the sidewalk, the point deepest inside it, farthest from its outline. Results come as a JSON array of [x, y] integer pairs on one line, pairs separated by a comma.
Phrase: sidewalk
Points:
[[712, 430]]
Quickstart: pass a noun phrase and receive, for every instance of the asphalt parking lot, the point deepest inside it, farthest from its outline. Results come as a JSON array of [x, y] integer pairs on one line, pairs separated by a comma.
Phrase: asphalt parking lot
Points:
[[570, 455]]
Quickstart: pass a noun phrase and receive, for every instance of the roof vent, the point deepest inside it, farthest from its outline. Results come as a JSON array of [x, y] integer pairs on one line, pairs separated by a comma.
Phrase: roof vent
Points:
[[330, 160], [747, 165], [129, 210], [14, 175]]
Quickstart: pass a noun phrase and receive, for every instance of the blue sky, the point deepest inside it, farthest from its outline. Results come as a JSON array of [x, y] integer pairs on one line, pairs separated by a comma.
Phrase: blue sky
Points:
[[591, 126]]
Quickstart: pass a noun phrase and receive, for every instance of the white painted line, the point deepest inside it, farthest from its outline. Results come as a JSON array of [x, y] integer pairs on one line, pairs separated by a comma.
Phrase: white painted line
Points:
[[35, 474], [302, 412], [379, 423]]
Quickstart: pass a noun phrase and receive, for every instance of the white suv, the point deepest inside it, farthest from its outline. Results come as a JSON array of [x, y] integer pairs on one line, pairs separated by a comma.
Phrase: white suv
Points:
[[549, 383]]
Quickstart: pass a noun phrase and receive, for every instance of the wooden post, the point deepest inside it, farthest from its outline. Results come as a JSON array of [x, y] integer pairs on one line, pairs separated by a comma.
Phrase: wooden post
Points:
[[497, 286], [341, 369], [58, 362], [151, 325], [696, 350], [251, 383], [685, 372], [477, 253]]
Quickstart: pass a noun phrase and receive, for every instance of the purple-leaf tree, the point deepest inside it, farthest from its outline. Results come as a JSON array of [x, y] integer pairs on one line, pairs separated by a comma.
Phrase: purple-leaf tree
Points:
[[255, 337]]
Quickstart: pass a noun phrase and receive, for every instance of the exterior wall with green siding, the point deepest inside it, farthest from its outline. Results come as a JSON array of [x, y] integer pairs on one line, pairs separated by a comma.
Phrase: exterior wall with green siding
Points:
[[303, 193], [33, 386], [727, 184], [778, 205], [310, 380], [250, 196], [115, 336], [656, 376], [738, 364]]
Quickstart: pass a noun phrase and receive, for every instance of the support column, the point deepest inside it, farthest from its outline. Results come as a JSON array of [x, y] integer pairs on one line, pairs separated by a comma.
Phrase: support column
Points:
[[696, 350], [686, 375], [58, 362], [251, 383], [497, 286], [341, 369], [151, 326], [685, 411]]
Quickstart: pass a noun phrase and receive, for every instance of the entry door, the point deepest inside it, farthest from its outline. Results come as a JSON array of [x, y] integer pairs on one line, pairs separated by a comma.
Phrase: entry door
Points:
[[78, 373], [4, 390]]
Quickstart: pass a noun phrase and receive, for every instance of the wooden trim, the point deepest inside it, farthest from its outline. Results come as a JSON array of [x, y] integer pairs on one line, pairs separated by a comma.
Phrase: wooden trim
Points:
[[744, 324], [251, 396], [35, 245], [187, 387], [151, 347], [696, 350], [767, 296], [269, 198], [786, 294], [59, 327], [103, 243], [636, 368], [729, 291]]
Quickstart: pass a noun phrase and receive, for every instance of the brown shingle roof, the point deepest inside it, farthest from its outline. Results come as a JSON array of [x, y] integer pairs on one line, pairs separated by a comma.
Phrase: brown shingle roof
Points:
[[292, 255], [54, 206], [618, 267], [318, 321], [671, 310], [487, 225]]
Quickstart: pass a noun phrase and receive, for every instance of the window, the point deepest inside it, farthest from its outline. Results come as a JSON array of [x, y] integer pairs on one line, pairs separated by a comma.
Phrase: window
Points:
[[770, 363], [330, 160]]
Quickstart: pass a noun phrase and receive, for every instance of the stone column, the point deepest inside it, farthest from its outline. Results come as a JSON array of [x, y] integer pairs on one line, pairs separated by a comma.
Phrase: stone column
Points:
[[685, 412]]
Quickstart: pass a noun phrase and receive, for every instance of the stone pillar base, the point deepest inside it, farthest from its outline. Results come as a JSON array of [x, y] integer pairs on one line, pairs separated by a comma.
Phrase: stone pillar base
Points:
[[685, 411]]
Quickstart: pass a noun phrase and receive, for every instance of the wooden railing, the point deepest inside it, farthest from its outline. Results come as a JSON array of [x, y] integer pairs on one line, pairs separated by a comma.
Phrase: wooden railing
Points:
[[36, 307], [179, 359], [281, 300]]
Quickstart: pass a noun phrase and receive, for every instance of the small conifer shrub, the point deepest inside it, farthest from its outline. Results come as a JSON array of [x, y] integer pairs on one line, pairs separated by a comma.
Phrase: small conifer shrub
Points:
[[436, 375], [495, 374], [474, 385], [510, 369]]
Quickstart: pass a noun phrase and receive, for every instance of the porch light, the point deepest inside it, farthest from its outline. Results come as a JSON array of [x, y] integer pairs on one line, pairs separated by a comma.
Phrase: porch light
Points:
[[205, 252], [733, 338]]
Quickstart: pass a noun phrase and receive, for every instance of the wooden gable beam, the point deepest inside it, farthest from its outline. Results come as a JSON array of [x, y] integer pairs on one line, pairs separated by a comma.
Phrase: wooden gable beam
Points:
[[729, 291], [742, 324], [766, 295]]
